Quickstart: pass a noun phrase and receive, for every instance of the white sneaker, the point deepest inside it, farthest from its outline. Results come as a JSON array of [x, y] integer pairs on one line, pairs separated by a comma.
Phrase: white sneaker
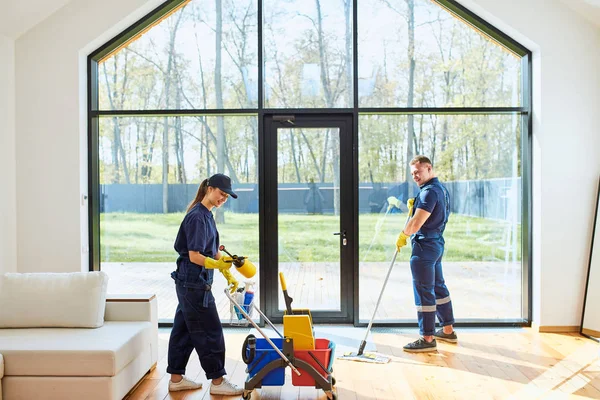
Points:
[[226, 388], [184, 384]]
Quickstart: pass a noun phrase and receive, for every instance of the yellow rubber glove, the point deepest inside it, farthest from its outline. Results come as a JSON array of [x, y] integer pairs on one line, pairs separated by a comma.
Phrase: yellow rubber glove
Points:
[[393, 202], [230, 280], [402, 240], [410, 204], [225, 262]]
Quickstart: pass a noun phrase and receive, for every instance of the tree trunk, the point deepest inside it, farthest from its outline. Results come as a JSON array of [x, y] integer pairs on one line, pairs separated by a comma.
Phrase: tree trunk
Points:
[[411, 90], [312, 154], [294, 156], [165, 141], [326, 82], [349, 59], [117, 151], [179, 144], [219, 217]]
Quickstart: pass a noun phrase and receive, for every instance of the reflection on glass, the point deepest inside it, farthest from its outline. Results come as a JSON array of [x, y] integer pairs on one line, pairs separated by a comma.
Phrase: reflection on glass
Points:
[[417, 54], [477, 158], [141, 208], [308, 53], [176, 65], [308, 172]]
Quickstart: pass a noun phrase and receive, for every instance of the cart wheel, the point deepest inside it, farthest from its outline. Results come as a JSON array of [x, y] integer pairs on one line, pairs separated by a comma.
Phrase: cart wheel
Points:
[[333, 381], [334, 396], [247, 396]]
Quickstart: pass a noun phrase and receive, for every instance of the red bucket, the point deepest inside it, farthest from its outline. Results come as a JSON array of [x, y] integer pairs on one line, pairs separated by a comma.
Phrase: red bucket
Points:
[[322, 352]]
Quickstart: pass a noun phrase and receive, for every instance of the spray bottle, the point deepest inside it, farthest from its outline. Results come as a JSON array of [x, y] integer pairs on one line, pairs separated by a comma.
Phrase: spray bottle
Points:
[[239, 298], [241, 263], [249, 296]]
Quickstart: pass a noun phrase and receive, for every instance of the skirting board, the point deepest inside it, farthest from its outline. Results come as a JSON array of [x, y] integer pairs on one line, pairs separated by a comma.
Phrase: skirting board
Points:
[[591, 332], [555, 329]]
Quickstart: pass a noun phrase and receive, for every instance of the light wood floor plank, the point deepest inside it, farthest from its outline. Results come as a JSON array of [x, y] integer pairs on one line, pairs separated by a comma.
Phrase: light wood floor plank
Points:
[[491, 364]]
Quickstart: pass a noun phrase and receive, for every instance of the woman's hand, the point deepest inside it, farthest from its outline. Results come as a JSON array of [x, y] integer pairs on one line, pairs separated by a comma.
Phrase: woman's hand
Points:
[[230, 280], [223, 263]]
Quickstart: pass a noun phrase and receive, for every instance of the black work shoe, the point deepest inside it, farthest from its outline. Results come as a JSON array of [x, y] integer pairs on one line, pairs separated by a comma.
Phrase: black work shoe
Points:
[[421, 346], [446, 337]]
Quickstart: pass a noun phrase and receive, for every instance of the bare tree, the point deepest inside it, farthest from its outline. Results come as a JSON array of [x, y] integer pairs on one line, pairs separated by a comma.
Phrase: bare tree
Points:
[[411, 90], [167, 79], [113, 94]]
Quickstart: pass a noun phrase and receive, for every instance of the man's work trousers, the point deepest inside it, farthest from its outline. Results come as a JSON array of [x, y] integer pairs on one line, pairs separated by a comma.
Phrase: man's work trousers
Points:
[[431, 294]]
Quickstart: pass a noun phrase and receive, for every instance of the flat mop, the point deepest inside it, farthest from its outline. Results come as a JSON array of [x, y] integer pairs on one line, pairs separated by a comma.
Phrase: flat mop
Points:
[[373, 357]]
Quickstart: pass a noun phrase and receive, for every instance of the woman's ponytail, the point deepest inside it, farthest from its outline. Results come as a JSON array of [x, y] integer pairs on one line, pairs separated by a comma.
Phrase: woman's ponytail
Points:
[[199, 194]]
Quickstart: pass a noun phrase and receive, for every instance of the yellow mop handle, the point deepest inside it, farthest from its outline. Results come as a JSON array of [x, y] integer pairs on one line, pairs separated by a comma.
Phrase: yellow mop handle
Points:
[[282, 280]]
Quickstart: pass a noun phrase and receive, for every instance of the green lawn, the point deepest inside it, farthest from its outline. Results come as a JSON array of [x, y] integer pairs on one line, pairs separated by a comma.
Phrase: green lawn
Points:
[[127, 237]]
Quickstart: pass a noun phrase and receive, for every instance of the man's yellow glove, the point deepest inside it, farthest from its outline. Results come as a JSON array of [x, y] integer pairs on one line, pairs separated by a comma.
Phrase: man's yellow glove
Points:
[[230, 280], [225, 262], [410, 204], [393, 202], [402, 240]]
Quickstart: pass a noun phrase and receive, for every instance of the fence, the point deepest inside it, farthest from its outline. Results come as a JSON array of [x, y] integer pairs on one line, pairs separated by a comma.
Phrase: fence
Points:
[[490, 198]]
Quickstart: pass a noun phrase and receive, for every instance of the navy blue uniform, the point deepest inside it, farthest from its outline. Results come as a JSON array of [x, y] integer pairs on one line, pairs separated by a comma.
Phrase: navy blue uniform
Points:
[[431, 294], [197, 324]]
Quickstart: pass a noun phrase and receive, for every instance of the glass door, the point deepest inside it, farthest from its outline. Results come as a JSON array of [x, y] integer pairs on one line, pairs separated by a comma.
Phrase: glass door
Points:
[[308, 215]]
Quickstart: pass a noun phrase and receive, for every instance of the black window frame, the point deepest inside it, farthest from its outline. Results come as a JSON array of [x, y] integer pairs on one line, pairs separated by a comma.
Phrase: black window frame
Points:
[[170, 6]]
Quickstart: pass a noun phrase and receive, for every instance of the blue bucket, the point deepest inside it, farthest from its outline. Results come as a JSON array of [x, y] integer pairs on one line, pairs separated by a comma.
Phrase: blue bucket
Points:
[[264, 355]]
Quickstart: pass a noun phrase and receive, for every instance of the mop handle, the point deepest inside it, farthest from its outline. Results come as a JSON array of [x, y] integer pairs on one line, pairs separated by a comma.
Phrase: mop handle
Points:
[[364, 342], [380, 296], [268, 321], [261, 332]]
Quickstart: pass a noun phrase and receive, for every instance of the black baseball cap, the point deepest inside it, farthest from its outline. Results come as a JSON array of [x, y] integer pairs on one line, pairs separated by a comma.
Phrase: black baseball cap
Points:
[[222, 182]]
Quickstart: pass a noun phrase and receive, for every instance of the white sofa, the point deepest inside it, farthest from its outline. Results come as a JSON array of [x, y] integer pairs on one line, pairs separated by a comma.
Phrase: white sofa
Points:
[[1, 374], [62, 337]]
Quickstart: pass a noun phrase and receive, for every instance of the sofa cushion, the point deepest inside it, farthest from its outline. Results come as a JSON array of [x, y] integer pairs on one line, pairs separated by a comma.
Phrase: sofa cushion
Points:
[[73, 352], [48, 300]]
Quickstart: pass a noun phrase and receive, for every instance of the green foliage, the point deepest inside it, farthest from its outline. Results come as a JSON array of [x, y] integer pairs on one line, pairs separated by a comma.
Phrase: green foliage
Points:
[[129, 237]]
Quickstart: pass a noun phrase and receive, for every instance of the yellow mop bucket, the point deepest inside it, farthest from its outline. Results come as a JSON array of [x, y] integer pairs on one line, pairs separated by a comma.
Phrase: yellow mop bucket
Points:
[[297, 323]]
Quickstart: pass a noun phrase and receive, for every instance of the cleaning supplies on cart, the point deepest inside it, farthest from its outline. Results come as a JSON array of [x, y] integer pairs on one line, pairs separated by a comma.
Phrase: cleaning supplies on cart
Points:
[[239, 298], [267, 358], [248, 296]]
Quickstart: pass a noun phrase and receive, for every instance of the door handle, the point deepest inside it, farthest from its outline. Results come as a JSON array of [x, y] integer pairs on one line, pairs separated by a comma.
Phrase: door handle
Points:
[[343, 235]]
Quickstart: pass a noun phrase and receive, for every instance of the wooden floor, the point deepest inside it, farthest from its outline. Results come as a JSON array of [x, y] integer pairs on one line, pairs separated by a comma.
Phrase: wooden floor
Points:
[[485, 364]]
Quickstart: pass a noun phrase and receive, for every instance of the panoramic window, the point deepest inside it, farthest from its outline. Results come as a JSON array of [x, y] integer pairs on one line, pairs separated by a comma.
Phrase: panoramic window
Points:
[[308, 53], [477, 159], [186, 93], [417, 54], [175, 64]]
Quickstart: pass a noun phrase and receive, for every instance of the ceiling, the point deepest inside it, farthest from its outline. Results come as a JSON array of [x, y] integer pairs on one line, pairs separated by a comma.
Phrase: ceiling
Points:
[[590, 9], [18, 16]]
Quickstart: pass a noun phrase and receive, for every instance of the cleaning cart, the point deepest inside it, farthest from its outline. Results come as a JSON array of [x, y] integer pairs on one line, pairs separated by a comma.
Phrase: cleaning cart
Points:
[[310, 359]]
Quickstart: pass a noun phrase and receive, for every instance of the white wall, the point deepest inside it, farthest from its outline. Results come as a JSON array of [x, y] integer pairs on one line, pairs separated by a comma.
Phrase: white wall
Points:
[[51, 131], [51, 141], [8, 208], [566, 145]]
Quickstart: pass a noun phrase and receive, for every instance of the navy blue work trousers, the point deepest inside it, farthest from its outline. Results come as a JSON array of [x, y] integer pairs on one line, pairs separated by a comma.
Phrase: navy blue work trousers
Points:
[[431, 294], [196, 326]]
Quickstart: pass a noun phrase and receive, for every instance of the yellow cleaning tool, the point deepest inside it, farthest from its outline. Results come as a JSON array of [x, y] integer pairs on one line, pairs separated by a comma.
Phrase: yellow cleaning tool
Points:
[[297, 323], [242, 264]]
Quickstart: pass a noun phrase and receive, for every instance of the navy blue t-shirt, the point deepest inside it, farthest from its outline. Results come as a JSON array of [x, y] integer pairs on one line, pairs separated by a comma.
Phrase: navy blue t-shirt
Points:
[[433, 198], [198, 232]]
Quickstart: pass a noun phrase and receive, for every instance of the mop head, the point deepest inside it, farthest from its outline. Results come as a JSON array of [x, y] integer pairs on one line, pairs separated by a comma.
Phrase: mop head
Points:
[[365, 357]]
